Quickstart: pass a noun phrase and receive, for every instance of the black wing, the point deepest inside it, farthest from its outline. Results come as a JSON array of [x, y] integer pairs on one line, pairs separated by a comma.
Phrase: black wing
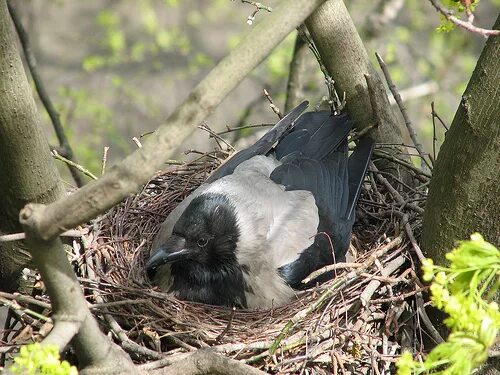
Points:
[[358, 165], [262, 146], [321, 165]]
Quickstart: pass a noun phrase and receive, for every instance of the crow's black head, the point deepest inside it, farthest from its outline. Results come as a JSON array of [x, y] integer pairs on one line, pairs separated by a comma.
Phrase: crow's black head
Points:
[[202, 253]]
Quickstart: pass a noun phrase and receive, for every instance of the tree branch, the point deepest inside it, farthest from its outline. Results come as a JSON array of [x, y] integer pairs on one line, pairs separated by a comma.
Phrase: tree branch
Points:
[[294, 94], [205, 361], [346, 60], [404, 112], [467, 25], [43, 94], [72, 321], [128, 176]]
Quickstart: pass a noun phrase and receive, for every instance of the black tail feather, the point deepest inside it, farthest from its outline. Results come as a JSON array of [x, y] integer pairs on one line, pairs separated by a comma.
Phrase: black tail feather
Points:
[[357, 167], [262, 146]]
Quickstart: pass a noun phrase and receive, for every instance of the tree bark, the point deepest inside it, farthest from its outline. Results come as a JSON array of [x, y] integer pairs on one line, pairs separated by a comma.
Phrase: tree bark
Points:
[[27, 169], [346, 59], [465, 188], [204, 361]]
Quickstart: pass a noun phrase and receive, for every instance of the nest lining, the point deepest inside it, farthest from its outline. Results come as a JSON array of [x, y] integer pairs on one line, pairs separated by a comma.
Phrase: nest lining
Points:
[[353, 323]]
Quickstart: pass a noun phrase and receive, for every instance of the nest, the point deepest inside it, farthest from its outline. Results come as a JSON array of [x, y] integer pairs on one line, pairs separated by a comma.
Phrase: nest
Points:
[[356, 323]]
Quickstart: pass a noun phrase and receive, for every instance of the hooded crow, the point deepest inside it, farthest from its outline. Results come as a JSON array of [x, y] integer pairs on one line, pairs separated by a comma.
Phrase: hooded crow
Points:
[[267, 218]]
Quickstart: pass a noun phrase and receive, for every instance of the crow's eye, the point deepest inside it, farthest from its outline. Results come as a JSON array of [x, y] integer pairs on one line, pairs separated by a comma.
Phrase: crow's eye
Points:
[[202, 242]]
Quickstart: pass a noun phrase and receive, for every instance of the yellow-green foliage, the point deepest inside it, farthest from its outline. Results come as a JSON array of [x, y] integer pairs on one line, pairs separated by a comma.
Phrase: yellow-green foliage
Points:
[[36, 359], [457, 7], [464, 291]]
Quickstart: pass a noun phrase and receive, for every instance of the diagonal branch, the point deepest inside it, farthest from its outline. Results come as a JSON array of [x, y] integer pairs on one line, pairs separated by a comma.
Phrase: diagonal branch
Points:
[[128, 176]]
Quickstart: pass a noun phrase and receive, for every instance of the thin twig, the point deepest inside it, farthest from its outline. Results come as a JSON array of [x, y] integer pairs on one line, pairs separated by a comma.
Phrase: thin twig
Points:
[[229, 129], [400, 297], [44, 96], [330, 267], [21, 236], [427, 322], [204, 126], [370, 289], [419, 173], [435, 114], [26, 299], [258, 6], [273, 106], [137, 142], [228, 327], [448, 14], [85, 171], [294, 87], [15, 306], [402, 108], [104, 159], [412, 239], [343, 281]]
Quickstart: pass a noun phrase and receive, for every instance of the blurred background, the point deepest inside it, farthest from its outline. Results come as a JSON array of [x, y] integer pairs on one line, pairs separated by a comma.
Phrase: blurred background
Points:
[[117, 69]]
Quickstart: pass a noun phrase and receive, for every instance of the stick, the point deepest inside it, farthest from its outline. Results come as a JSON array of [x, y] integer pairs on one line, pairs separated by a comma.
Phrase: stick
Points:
[[229, 129], [463, 24], [343, 281], [273, 106], [104, 159], [43, 94], [21, 236], [85, 171], [402, 108]]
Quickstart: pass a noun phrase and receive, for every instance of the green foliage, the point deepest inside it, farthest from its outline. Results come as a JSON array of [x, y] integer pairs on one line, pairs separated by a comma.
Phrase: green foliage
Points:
[[35, 359], [279, 61], [123, 44], [80, 105], [454, 5], [464, 291]]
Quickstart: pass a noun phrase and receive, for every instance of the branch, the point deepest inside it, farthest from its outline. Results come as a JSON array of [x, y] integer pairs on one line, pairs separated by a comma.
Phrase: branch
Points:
[[62, 333], [205, 361], [467, 25], [229, 129], [402, 108], [372, 287], [72, 164], [22, 235], [258, 7], [405, 221], [294, 94], [345, 58], [42, 93], [71, 315], [342, 281], [127, 177]]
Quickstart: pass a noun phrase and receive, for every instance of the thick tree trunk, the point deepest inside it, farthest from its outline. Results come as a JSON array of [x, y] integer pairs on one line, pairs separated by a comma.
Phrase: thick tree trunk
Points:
[[464, 194], [346, 59], [27, 169]]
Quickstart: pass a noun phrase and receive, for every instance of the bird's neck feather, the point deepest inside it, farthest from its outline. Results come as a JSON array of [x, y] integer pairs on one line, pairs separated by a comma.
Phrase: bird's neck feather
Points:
[[220, 284]]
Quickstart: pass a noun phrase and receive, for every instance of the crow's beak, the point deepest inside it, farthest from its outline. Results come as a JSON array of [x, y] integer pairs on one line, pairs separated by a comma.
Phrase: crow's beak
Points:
[[162, 256]]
